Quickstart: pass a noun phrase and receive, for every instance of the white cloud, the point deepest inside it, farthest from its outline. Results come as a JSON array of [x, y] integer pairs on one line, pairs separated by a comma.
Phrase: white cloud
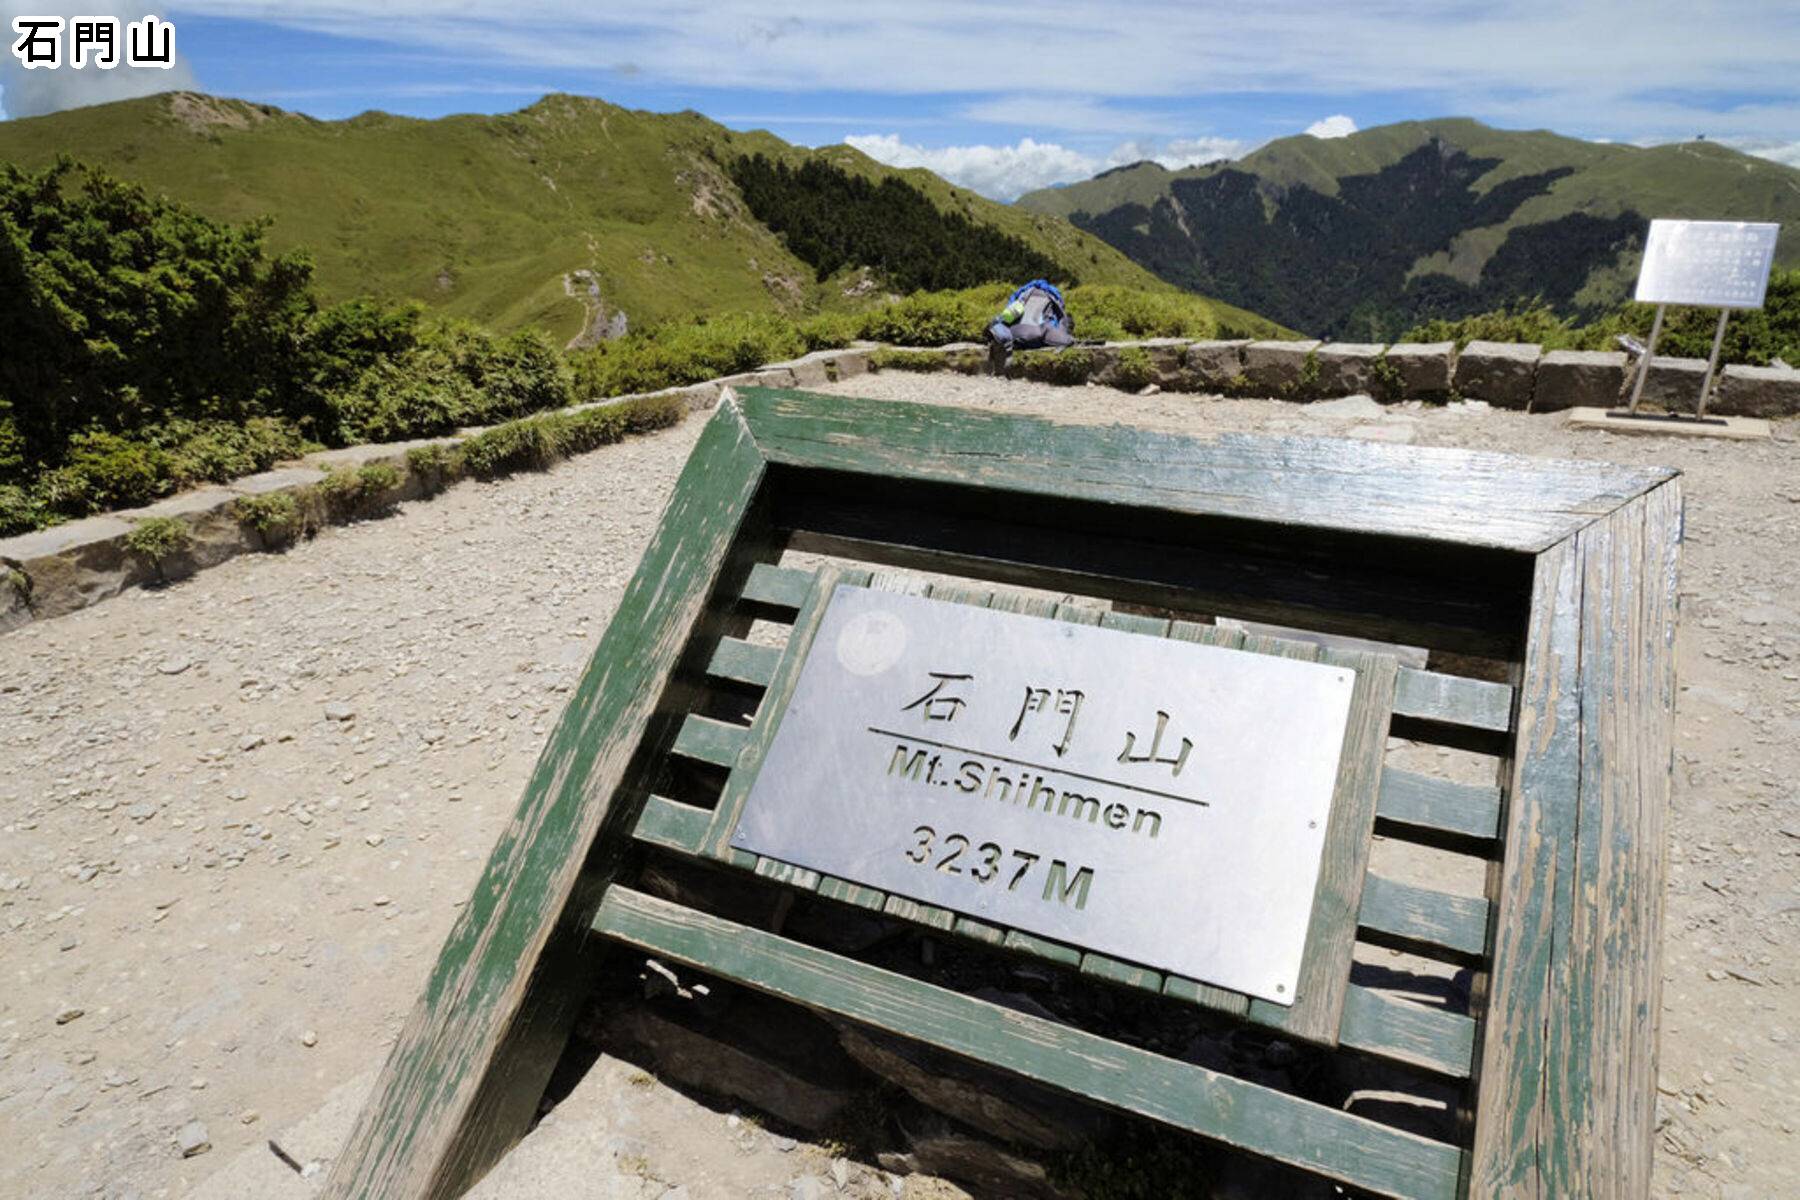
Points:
[[1332, 127], [1073, 113], [42, 90], [1785, 152], [1176, 153], [1002, 172], [1006, 172]]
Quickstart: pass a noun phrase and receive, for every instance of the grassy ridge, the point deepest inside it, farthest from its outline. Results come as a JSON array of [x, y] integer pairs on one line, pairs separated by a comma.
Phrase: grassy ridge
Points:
[[483, 216]]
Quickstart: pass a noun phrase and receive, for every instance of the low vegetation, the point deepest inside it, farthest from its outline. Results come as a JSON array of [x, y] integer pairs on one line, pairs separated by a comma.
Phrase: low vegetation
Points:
[[1755, 336]]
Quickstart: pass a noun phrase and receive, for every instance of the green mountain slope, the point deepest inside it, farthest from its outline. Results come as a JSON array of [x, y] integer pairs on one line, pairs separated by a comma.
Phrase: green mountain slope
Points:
[[1366, 235], [497, 218]]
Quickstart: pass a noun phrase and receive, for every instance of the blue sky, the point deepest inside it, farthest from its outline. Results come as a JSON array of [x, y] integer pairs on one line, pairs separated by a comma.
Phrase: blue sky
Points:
[[1074, 89]]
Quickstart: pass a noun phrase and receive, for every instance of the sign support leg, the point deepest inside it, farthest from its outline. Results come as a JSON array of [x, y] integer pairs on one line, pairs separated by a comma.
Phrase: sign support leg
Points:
[[1712, 363], [1637, 389]]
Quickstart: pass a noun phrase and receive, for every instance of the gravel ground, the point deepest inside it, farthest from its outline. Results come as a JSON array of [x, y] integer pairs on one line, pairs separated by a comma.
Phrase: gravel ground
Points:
[[237, 815]]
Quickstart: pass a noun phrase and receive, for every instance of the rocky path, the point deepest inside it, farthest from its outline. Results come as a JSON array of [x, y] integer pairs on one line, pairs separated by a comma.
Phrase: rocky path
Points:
[[237, 815]]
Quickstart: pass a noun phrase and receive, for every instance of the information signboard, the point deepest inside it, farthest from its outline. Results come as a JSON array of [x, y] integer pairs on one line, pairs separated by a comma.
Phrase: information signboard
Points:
[[1159, 801], [1714, 264]]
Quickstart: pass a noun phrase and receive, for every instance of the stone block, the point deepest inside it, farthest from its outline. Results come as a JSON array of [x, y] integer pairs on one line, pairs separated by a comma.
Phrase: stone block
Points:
[[850, 363], [1211, 366], [773, 377], [74, 565], [213, 528], [1673, 384], [1502, 373], [1578, 379], [1745, 391], [1347, 368], [1422, 368], [279, 480], [1277, 368], [15, 598]]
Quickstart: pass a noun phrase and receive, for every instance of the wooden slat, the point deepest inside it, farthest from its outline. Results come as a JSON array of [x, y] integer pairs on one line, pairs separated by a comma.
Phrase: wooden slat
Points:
[[705, 740], [1453, 700], [1529, 886], [1038, 947], [744, 662], [778, 587], [1406, 1032], [1420, 915], [672, 826], [1335, 1144], [1422, 802], [467, 1072], [1453, 496]]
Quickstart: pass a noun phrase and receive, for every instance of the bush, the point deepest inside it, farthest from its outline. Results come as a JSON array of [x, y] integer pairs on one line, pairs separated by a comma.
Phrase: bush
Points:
[[434, 466], [156, 539], [936, 318], [350, 492], [1132, 369], [273, 515], [540, 441], [1753, 337], [1066, 367], [1116, 313], [907, 360]]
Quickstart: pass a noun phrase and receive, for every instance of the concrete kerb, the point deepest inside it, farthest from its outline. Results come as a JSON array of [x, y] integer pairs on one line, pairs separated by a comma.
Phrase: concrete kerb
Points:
[[53, 571], [57, 570]]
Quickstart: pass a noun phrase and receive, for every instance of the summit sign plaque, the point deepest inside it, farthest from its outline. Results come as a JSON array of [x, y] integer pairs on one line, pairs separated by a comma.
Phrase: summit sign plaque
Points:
[[1154, 800]]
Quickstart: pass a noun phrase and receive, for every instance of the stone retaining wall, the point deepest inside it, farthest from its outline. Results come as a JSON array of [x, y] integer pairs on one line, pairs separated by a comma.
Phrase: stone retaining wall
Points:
[[66, 567]]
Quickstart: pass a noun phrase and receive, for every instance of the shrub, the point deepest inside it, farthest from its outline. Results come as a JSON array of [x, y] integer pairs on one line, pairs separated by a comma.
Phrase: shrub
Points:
[[542, 440], [273, 515], [156, 539], [1116, 313], [350, 492], [1055, 366], [1132, 369], [906, 360], [936, 318], [436, 465]]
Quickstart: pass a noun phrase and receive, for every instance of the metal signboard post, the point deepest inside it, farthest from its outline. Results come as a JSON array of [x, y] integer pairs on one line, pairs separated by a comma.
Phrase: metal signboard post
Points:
[[1710, 264]]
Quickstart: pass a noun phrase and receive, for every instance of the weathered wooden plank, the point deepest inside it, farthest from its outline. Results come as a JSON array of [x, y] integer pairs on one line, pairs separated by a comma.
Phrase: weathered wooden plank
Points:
[[1037, 947], [744, 662], [1125, 974], [920, 914], [1406, 1032], [1437, 805], [761, 733], [795, 877], [777, 587], [1359, 1152], [672, 826], [833, 888], [1413, 914], [706, 740], [465, 1077], [1453, 700], [1317, 1011], [1601, 1065], [1513, 1130], [1460, 496]]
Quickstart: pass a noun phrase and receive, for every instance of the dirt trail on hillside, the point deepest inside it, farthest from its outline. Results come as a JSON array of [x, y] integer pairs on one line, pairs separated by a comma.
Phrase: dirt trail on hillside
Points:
[[237, 815]]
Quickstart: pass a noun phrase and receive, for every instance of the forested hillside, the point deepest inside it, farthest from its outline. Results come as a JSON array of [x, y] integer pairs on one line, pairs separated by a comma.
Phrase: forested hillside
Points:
[[1358, 238]]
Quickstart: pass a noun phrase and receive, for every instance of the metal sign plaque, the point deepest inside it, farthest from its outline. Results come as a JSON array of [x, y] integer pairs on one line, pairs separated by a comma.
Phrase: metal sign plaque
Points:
[[1715, 264], [1153, 800]]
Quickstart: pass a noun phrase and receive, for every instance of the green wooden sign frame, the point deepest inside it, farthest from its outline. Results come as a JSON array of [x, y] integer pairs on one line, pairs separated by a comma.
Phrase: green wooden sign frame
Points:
[[1547, 588]]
